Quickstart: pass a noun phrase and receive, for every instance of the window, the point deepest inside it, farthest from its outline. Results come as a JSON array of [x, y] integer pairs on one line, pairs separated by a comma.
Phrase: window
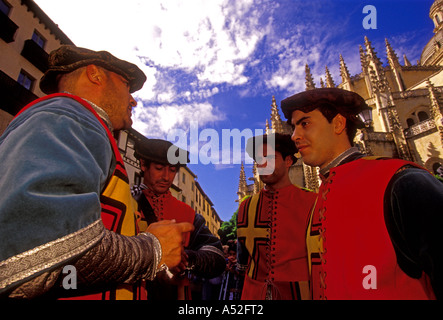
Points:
[[422, 116], [26, 80], [183, 198], [137, 178], [183, 177], [410, 122], [192, 186], [38, 38], [123, 141], [5, 7], [438, 169]]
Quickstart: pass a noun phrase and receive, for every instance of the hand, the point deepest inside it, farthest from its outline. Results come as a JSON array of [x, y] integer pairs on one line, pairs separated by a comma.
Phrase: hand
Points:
[[181, 266], [170, 235]]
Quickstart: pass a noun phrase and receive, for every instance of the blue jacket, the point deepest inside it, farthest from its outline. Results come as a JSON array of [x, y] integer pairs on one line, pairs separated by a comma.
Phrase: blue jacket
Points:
[[55, 159]]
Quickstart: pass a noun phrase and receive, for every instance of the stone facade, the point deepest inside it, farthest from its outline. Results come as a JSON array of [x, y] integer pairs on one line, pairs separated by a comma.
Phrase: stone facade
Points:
[[406, 102]]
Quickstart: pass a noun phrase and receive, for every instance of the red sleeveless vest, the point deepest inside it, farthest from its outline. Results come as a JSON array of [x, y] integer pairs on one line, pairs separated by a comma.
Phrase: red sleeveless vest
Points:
[[350, 252], [167, 207], [271, 227]]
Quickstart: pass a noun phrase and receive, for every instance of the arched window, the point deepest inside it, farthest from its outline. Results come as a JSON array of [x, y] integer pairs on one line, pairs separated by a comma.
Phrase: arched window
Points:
[[410, 122], [422, 116], [436, 168]]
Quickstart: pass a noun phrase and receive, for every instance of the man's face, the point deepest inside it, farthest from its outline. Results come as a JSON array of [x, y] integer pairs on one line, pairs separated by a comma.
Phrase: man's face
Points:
[[272, 160], [159, 177], [314, 137], [118, 101]]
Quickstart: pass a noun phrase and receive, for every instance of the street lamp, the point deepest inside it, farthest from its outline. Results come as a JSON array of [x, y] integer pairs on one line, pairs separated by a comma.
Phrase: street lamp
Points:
[[366, 117]]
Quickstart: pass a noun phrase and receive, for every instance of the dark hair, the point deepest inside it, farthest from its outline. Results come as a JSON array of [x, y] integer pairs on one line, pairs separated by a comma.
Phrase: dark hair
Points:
[[232, 245], [329, 111], [283, 144], [148, 163], [330, 102]]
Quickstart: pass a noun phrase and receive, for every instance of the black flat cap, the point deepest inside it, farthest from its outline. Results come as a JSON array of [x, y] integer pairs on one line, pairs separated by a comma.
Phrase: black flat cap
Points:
[[68, 58], [347, 103], [161, 151]]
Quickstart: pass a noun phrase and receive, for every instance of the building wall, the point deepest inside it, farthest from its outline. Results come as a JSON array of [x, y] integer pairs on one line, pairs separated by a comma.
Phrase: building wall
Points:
[[5, 118], [185, 181], [203, 206], [11, 61], [29, 18]]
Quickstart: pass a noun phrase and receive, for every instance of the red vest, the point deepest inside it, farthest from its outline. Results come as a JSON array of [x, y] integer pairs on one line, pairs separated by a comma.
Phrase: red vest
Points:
[[167, 207], [271, 227], [350, 252]]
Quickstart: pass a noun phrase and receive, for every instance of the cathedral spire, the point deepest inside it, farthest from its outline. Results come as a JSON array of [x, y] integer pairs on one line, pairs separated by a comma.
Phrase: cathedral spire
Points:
[[347, 84], [407, 63], [363, 59], [436, 102], [379, 88], [309, 81], [376, 70], [329, 81], [372, 59], [242, 186], [344, 72], [276, 122], [395, 66], [370, 50], [392, 56]]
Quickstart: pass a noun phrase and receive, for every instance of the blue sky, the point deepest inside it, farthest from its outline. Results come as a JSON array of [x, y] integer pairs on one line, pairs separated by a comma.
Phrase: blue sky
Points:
[[218, 63]]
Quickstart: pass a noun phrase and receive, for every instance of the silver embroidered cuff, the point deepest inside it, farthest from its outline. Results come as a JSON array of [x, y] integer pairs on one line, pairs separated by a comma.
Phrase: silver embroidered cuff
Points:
[[157, 248]]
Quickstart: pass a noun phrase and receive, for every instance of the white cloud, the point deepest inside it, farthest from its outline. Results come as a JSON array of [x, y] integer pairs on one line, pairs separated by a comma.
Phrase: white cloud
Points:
[[208, 40], [157, 121]]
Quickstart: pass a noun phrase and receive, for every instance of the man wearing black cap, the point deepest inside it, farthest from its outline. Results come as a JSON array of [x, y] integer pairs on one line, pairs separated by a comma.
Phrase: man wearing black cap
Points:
[[271, 226], [65, 198], [160, 161], [373, 232]]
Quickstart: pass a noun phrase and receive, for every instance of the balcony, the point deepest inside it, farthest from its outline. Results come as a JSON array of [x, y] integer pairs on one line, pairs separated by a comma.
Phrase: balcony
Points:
[[7, 28], [35, 54], [13, 95], [420, 128]]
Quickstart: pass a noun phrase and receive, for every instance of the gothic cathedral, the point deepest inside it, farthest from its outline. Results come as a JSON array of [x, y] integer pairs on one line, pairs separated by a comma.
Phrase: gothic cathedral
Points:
[[406, 102]]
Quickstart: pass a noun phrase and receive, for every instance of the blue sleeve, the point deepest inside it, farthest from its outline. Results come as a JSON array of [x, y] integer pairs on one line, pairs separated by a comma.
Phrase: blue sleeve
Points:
[[414, 219], [55, 158]]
